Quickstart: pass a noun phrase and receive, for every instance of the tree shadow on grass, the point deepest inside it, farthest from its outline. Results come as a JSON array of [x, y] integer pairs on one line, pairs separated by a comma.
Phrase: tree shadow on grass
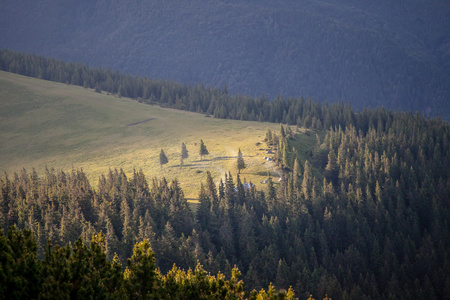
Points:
[[183, 166], [194, 164], [224, 157], [215, 159]]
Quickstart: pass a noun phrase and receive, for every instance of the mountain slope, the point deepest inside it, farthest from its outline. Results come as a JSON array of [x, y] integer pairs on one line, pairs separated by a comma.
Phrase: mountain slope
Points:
[[60, 126], [389, 54]]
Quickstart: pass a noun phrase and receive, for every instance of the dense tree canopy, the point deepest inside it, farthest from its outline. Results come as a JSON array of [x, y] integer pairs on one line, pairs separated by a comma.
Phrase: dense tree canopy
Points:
[[82, 271]]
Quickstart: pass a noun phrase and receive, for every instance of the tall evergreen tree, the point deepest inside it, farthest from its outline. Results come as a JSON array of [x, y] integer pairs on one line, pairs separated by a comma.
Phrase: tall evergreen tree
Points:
[[211, 188], [295, 174], [240, 162], [307, 179], [285, 157], [268, 138], [203, 150], [282, 132], [141, 278], [184, 151]]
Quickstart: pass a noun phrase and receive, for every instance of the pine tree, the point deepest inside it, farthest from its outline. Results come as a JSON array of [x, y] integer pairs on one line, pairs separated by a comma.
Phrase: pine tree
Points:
[[112, 242], [296, 172], [282, 132], [240, 162], [307, 179], [331, 169], [268, 138], [140, 276], [203, 150], [203, 209], [184, 151], [271, 193], [285, 159], [20, 272], [211, 188], [163, 158]]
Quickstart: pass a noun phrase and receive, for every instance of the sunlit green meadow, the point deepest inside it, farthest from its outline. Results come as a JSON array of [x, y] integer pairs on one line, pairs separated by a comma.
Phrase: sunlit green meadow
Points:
[[46, 124]]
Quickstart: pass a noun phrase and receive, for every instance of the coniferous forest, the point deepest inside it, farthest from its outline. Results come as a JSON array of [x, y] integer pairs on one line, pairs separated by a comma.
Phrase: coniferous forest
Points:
[[365, 215]]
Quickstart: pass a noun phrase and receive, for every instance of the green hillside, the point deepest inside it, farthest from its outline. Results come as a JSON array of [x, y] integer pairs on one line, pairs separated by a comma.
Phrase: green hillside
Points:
[[45, 124]]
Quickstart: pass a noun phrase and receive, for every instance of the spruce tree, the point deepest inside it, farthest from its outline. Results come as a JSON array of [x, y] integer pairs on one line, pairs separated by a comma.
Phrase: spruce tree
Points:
[[184, 154], [268, 138], [184, 151], [141, 278], [203, 150], [331, 169], [285, 159], [163, 158], [307, 179], [296, 173], [211, 188], [240, 162], [282, 132]]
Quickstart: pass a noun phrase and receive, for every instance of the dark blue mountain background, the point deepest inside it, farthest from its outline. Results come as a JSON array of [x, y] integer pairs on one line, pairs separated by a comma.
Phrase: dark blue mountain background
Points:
[[393, 53]]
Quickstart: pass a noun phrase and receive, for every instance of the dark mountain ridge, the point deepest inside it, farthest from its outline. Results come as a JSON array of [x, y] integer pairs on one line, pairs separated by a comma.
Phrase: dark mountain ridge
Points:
[[391, 54]]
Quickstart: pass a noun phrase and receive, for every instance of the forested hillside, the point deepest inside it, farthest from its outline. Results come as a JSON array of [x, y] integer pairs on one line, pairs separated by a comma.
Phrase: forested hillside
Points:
[[394, 54], [365, 215]]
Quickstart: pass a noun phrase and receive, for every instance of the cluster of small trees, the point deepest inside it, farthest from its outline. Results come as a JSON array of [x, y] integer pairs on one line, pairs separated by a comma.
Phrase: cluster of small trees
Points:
[[202, 151], [184, 154]]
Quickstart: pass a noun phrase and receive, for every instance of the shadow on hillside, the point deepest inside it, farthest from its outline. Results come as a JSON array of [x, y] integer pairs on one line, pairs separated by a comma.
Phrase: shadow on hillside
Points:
[[183, 166], [200, 161], [266, 173], [140, 122], [189, 165], [224, 157]]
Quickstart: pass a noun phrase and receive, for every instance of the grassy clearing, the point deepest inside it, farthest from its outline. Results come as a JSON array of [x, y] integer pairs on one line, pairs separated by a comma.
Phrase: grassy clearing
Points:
[[46, 124]]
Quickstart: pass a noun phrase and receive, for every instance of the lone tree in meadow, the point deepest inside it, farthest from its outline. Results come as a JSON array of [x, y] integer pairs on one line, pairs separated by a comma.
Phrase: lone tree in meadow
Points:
[[184, 154], [240, 162], [184, 151], [163, 158], [203, 150]]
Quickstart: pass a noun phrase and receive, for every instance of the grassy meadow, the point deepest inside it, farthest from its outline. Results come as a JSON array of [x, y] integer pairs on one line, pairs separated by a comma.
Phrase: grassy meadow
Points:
[[46, 124]]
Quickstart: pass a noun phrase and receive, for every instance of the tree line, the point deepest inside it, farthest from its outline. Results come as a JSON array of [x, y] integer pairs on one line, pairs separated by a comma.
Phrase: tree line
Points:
[[196, 98]]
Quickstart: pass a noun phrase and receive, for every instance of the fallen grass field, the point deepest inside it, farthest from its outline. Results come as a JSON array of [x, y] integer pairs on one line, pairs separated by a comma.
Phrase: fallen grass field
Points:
[[46, 124]]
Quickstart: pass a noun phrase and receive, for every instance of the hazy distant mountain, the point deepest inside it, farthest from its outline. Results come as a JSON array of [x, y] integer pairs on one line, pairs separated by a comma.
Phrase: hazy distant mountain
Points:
[[384, 53]]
